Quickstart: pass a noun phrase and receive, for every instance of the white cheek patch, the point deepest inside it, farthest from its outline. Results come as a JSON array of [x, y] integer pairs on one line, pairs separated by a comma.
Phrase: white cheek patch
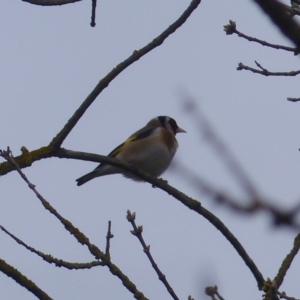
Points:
[[167, 124]]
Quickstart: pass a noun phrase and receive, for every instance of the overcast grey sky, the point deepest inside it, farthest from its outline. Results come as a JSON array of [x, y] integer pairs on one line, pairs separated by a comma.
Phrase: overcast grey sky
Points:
[[51, 59]]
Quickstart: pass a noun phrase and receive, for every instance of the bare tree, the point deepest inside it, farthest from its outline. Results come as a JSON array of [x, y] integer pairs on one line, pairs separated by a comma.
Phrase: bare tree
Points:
[[283, 16]]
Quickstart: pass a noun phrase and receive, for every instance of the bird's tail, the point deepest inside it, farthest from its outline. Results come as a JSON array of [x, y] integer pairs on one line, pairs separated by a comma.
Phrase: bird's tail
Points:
[[85, 178]]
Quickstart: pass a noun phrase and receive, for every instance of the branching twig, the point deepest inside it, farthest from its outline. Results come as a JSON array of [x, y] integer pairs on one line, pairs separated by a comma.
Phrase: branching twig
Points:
[[104, 82], [22, 280], [50, 259], [266, 72], [137, 231], [80, 237], [231, 29]]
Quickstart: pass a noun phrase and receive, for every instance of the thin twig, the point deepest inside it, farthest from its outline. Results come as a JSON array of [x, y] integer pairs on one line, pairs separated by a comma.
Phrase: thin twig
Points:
[[279, 217], [104, 82], [231, 29], [220, 148], [93, 17], [256, 203], [264, 71], [109, 236], [281, 17], [137, 231], [287, 262], [283, 295], [50, 259]]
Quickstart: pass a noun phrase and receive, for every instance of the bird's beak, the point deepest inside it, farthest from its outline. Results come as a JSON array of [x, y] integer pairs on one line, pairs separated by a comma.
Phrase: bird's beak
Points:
[[180, 130]]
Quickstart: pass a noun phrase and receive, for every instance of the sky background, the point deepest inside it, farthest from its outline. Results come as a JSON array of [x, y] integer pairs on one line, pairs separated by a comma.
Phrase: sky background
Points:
[[51, 59]]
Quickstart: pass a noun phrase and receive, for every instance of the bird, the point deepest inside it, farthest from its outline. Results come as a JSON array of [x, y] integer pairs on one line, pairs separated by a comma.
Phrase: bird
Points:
[[151, 149]]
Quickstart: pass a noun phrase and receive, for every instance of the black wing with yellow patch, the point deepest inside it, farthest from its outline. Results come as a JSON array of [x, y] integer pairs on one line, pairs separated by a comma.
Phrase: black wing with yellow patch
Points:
[[129, 140], [133, 138]]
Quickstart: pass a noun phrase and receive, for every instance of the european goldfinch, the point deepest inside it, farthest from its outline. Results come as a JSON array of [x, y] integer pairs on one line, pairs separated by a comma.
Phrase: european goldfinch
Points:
[[151, 149]]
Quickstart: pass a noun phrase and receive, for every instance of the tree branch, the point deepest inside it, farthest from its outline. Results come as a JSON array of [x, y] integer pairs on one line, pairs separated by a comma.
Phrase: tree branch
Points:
[[104, 82], [22, 280], [109, 236], [80, 237], [184, 199], [283, 295], [266, 72], [231, 29], [187, 201], [26, 159], [287, 262], [137, 231], [50, 259], [93, 17]]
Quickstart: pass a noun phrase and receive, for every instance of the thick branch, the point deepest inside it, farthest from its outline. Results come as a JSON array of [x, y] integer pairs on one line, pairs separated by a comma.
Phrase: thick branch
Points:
[[80, 237], [184, 199], [26, 159], [22, 280]]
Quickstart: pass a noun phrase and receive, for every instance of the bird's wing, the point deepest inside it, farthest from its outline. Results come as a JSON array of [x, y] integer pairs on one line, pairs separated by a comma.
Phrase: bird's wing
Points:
[[141, 134], [136, 136]]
